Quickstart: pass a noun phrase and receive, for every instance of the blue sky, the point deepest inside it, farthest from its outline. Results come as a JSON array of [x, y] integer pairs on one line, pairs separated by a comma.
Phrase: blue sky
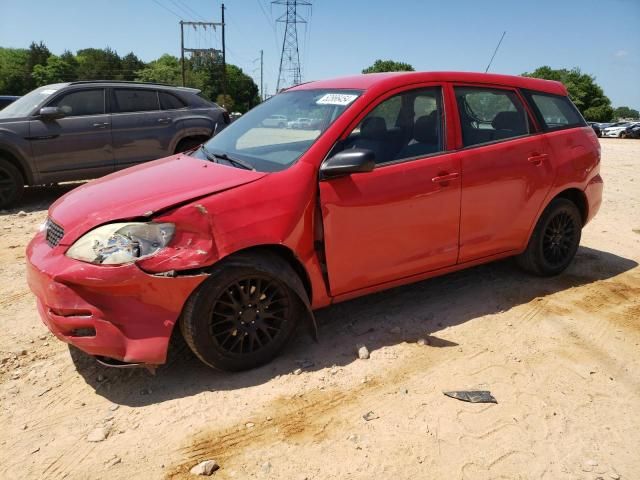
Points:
[[343, 36]]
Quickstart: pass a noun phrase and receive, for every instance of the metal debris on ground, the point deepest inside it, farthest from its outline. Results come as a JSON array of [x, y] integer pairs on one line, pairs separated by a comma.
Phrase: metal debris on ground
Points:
[[473, 396], [370, 416]]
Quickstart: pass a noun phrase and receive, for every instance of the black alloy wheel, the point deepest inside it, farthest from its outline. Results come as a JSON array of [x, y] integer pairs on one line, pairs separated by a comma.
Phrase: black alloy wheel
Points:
[[249, 314], [245, 313], [554, 241], [559, 238], [11, 184]]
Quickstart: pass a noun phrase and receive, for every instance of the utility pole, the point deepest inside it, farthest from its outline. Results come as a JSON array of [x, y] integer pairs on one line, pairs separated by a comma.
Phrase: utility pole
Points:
[[224, 61], [182, 49], [290, 56], [261, 75], [198, 52]]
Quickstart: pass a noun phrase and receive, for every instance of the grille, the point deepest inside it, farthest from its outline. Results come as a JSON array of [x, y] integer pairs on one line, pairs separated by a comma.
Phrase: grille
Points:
[[54, 233]]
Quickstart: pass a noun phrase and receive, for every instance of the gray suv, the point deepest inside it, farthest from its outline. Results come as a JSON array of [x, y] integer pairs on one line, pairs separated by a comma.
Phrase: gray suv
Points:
[[83, 130]]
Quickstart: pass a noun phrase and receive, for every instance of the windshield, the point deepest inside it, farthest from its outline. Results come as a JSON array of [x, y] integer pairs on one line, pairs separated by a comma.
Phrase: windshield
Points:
[[25, 105], [277, 132]]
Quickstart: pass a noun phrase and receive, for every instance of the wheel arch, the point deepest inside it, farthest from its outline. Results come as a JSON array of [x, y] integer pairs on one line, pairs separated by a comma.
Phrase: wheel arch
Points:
[[286, 254], [17, 161], [578, 197]]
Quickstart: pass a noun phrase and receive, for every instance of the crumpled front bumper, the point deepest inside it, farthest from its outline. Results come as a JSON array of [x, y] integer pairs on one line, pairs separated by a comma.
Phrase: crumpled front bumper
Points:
[[118, 312]]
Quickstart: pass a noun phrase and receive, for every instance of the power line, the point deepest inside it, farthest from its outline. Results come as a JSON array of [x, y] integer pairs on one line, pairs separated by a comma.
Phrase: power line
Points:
[[167, 9], [190, 11]]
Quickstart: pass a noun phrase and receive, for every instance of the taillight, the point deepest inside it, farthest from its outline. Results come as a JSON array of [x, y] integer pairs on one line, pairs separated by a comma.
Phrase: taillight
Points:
[[226, 117]]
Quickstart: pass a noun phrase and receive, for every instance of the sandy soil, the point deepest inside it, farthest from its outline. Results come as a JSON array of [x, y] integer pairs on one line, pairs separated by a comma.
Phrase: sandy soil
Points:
[[561, 356]]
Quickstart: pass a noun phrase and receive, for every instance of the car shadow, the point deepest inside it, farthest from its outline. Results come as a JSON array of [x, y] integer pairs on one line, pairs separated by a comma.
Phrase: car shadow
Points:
[[40, 197], [402, 314]]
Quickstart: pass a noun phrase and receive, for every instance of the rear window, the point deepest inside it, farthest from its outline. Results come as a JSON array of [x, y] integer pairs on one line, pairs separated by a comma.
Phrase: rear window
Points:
[[490, 115], [555, 111], [170, 102], [134, 100]]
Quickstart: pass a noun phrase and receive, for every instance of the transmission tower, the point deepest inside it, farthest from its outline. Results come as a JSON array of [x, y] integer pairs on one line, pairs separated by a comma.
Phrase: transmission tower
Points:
[[289, 72]]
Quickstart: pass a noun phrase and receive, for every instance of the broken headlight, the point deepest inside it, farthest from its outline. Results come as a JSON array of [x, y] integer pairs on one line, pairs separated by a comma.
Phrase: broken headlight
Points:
[[119, 243]]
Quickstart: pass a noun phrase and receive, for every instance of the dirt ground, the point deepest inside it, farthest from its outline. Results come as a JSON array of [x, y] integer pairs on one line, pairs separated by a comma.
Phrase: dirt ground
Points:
[[560, 355]]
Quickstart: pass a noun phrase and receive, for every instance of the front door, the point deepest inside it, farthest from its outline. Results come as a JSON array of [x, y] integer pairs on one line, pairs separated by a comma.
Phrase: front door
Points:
[[507, 171], [78, 145], [402, 218]]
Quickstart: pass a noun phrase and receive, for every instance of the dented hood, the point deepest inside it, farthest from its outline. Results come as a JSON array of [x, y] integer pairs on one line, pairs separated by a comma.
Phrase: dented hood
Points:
[[143, 190]]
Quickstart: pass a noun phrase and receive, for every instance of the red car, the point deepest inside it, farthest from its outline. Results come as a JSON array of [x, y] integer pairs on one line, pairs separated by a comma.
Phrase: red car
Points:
[[407, 176]]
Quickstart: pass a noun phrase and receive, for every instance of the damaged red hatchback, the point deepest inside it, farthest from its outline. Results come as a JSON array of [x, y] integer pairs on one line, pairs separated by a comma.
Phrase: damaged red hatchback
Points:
[[395, 178]]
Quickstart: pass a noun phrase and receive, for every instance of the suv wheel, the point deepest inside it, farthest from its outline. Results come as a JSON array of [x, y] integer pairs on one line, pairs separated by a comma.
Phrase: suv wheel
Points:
[[11, 184], [187, 144], [243, 315], [554, 241]]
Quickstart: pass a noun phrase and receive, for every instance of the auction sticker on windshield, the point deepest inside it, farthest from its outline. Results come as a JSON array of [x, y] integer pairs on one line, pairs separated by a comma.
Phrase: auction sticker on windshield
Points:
[[336, 99]]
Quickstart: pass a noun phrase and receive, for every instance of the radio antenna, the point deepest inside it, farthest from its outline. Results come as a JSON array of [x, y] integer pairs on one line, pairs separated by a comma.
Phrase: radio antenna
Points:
[[495, 51]]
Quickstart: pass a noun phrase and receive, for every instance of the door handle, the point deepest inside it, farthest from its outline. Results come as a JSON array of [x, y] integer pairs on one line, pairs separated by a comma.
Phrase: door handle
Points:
[[164, 120], [101, 125], [445, 177], [537, 159]]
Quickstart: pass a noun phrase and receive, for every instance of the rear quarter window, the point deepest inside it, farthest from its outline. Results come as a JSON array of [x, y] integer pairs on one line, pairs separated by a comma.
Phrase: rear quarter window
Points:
[[554, 111], [169, 101]]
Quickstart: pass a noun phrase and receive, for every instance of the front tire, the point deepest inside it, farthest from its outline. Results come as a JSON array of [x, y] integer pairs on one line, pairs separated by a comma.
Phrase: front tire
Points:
[[243, 315], [11, 184], [554, 241]]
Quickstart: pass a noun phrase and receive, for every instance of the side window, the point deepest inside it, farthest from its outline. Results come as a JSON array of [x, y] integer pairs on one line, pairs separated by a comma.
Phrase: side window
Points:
[[407, 125], [555, 111], [134, 100], [489, 115], [170, 102], [79, 103]]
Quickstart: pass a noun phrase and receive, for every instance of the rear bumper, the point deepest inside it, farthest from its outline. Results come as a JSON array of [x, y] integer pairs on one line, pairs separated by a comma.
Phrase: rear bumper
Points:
[[593, 192], [118, 312]]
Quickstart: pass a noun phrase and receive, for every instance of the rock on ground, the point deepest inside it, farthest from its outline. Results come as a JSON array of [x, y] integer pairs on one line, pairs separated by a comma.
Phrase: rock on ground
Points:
[[205, 468]]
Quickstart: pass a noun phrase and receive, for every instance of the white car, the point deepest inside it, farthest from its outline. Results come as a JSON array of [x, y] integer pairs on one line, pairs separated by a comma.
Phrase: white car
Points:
[[277, 121], [300, 123], [616, 129]]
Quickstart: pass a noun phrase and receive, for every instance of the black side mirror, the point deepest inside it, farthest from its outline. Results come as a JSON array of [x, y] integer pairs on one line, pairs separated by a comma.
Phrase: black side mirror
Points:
[[356, 160], [50, 113]]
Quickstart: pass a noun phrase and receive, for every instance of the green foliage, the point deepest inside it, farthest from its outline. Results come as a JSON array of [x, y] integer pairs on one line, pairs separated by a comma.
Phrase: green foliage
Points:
[[587, 95], [626, 112], [14, 76], [22, 70], [56, 70], [388, 66]]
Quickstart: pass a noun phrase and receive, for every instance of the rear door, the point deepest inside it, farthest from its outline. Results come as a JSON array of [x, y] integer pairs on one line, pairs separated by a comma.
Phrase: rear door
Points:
[[402, 218], [140, 130], [78, 145], [506, 167]]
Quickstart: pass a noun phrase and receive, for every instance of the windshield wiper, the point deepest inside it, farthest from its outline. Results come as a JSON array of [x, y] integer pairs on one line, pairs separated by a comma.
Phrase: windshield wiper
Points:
[[223, 156]]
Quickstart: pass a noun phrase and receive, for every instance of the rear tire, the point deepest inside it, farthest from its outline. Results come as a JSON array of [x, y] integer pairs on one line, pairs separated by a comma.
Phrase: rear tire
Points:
[[11, 184], [187, 144], [243, 315], [554, 241]]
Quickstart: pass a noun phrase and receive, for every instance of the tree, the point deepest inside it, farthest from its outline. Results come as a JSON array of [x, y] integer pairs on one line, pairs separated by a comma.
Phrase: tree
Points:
[[587, 95], [14, 75], [165, 69], [388, 66], [130, 64], [99, 64], [38, 55], [56, 70], [626, 112]]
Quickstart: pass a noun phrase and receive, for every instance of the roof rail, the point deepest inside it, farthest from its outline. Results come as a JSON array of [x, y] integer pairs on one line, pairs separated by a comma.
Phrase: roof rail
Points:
[[78, 82]]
